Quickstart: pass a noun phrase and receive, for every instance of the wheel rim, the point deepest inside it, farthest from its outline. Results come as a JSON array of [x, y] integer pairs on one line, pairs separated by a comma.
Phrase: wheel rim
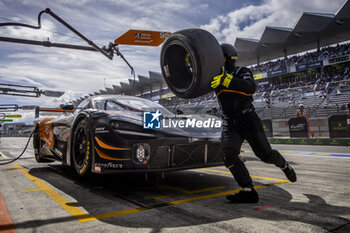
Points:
[[183, 80], [80, 146]]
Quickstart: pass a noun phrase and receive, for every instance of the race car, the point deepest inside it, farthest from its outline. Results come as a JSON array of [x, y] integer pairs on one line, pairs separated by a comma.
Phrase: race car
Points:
[[108, 134]]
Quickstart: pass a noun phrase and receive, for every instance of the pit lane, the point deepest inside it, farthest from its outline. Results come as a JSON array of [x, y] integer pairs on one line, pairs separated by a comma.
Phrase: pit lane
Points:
[[49, 198]]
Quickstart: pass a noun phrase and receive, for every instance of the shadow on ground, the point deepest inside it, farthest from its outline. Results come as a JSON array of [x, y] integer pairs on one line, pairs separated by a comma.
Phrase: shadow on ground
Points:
[[101, 194]]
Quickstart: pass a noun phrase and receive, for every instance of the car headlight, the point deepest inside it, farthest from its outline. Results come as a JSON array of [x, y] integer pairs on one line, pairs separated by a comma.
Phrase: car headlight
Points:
[[120, 125], [141, 152], [115, 124]]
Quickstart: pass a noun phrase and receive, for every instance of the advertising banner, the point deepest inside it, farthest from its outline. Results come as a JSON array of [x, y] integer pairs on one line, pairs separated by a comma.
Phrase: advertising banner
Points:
[[277, 72], [340, 59], [258, 76], [298, 127], [308, 66], [339, 126], [267, 124], [169, 95], [311, 141]]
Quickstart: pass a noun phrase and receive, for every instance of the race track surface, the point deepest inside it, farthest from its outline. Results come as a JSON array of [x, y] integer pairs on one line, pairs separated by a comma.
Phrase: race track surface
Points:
[[48, 198]]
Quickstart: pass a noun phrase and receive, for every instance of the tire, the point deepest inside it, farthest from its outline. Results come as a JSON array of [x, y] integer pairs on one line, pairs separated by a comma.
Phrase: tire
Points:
[[37, 145], [191, 78], [82, 148]]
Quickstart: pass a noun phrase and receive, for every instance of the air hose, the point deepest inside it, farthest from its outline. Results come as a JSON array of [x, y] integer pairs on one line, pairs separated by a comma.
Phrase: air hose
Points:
[[25, 148]]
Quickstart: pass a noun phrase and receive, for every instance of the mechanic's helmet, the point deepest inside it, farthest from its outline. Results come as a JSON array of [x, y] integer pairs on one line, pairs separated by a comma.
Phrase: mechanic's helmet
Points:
[[229, 51], [230, 54]]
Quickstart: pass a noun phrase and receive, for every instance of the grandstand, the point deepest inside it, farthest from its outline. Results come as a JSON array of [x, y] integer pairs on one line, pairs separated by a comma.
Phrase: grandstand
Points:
[[309, 64]]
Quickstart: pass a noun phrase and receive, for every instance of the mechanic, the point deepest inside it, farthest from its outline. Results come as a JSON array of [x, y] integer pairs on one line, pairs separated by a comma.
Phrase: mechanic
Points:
[[234, 89]]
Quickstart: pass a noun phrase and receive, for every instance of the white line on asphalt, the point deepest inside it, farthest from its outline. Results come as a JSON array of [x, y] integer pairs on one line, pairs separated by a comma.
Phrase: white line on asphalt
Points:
[[3, 155], [333, 156], [312, 154]]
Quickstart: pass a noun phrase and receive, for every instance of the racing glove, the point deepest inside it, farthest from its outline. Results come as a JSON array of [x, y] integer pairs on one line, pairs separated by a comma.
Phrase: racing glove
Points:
[[222, 79]]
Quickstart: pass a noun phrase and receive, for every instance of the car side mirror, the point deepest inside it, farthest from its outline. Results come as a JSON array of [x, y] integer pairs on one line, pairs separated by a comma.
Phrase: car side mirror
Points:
[[179, 112], [68, 107]]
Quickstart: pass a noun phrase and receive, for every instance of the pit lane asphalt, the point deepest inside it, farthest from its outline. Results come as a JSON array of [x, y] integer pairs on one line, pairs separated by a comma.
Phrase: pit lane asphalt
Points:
[[48, 198]]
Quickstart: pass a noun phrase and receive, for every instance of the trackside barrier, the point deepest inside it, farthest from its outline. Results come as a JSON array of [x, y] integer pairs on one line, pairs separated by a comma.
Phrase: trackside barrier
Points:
[[267, 125], [298, 127], [339, 126], [311, 141]]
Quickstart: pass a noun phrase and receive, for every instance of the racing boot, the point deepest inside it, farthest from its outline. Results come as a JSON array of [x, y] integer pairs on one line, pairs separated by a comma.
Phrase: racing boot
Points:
[[246, 195], [289, 172]]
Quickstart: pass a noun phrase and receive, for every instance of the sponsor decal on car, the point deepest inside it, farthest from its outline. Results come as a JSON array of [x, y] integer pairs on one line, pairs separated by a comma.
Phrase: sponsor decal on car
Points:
[[108, 165], [58, 151], [101, 130]]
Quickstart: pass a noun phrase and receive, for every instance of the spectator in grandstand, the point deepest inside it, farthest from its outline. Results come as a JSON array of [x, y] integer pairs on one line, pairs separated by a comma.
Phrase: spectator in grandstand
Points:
[[234, 89], [302, 113]]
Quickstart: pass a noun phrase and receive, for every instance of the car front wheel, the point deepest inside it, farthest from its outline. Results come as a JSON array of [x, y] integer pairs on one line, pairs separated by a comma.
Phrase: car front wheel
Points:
[[82, 148]]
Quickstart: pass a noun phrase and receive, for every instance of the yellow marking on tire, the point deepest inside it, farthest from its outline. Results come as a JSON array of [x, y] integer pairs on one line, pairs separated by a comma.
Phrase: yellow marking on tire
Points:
[[64, 203], [258, 177]]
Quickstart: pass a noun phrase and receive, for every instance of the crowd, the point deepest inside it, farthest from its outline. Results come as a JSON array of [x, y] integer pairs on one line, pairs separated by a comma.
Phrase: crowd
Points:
[[309, 57], [291, 87], [280, 64], [285, 89], [176, 101], [330, 75]]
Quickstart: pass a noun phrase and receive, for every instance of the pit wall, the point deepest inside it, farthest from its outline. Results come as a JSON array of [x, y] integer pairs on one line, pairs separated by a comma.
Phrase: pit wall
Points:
[[318, 126]]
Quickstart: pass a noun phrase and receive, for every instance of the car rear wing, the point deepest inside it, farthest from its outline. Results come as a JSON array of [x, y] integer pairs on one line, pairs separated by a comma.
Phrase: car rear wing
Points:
[[51, 111]]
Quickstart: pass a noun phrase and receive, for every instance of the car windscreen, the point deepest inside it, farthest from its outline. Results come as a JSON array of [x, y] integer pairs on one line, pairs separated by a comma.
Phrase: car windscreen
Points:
[[136, 105]]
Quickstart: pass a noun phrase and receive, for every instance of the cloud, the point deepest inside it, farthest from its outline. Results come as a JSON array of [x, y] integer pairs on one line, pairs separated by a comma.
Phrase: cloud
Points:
[[251, 20], [29, 33], [79, 73]]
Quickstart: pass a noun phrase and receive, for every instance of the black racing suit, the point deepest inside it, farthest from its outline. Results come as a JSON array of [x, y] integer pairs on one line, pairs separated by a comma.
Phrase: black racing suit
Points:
[[240, 122]]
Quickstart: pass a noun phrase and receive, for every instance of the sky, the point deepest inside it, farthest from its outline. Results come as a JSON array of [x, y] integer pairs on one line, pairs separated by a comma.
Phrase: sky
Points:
[[79, 73]]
